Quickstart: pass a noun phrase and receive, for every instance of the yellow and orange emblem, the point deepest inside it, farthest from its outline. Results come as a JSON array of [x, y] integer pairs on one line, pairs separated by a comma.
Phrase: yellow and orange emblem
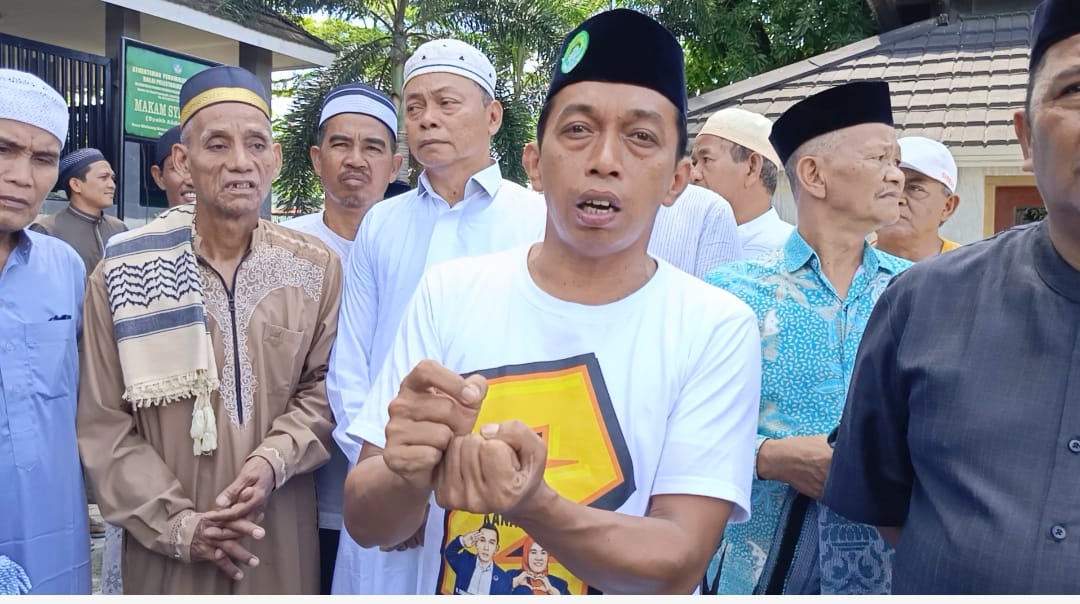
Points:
[[567, 403]]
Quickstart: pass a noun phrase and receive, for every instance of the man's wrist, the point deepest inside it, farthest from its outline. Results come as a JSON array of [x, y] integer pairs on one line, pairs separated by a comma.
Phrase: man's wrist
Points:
[[534, 506]]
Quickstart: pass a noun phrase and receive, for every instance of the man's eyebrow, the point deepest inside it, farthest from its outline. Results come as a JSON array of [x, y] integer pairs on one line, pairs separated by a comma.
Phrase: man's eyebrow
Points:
[[1065, 74], [646, 114]]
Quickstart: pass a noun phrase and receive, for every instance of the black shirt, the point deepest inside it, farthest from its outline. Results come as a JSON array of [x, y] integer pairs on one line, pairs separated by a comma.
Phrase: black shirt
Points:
[[963, 421]]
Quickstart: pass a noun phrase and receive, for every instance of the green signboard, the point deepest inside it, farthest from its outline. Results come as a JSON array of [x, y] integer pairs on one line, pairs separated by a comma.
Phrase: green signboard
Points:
[[152, 81]]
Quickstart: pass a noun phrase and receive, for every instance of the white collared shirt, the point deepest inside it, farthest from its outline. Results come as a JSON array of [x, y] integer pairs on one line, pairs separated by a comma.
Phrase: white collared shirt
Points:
[[480, 584], [397, 241], [765, 233]]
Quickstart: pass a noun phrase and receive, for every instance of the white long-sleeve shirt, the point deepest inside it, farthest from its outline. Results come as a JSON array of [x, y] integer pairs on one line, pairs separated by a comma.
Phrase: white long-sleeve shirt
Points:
[[697, 233], [398, 239]]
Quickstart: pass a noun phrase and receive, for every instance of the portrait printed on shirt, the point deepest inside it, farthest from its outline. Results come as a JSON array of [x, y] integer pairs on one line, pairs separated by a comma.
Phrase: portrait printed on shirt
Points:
[[567, 403]]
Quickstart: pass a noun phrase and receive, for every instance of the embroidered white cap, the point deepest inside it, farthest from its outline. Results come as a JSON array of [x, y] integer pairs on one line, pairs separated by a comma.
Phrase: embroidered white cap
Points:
[[28, 99], [746, 128], [929, 157], [452, 56]]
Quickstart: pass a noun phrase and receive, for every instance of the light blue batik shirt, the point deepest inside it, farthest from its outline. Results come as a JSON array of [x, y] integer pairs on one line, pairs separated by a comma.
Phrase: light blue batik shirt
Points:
[[809, 337], [44, 539]]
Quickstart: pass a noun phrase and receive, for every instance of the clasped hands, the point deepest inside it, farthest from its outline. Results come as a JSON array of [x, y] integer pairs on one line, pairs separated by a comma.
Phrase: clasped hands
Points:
[[430, 444], [237, 513]]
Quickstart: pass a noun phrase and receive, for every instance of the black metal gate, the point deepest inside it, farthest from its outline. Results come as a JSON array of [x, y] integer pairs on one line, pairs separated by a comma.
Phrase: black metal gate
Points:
[[84, 80]]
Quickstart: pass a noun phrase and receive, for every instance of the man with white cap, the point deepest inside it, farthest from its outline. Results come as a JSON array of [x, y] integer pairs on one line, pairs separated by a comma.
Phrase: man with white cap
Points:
[[929, 200], [460, 207], [733, 156], [44, 539], [356, 162]]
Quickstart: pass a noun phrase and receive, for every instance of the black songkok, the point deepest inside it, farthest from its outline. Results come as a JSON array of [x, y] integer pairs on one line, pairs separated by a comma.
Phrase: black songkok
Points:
[[622, 46], [163, 148], [830, 110], [222, 84], [1055, 20], [73, 162]]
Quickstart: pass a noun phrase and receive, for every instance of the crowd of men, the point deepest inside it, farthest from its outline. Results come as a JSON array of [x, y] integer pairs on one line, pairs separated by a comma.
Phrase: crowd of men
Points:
[[630, 377]]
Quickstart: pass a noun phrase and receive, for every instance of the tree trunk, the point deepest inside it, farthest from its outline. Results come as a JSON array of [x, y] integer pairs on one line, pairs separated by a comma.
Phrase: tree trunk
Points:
[[398, 55]]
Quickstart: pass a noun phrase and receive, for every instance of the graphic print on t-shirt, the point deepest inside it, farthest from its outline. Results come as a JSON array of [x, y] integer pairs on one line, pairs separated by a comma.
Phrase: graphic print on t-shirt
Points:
[[567, 403]]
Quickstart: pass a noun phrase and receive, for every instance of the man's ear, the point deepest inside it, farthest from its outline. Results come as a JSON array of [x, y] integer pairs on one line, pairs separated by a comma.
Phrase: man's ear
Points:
[[753, 173], [811, 177], [679, 180], [279, 159], [495, 117], [530, 159], [155, 172], [180, 160], [75, 184], [950, 207], [1023, 132], [316, 160], [398, 159]]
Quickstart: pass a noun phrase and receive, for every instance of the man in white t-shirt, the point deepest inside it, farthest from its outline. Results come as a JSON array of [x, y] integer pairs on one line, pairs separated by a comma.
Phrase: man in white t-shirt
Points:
[[733, 157], [460, 207], [611, 401], [355, 161]]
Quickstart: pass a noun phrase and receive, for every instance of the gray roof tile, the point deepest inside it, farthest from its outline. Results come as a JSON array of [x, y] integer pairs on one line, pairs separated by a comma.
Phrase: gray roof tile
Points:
[[958, 83]]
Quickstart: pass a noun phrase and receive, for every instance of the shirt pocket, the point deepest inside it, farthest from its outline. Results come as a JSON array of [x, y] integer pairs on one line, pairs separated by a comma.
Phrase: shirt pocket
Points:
[[53, 359], [281, 362], [50, 392]]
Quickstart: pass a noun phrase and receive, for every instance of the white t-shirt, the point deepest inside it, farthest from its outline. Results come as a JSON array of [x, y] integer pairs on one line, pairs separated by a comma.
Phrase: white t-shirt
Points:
[[330, 478], [313, 224], [765, 233], [656, 393]]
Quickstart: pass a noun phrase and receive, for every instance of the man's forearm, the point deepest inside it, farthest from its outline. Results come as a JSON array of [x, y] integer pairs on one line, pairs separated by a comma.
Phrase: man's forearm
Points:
[[612, 552], [381, 509]]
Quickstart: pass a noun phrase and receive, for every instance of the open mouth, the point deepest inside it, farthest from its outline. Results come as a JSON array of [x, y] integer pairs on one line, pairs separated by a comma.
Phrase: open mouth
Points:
[[597, 206], [188, 196], [240, 185]]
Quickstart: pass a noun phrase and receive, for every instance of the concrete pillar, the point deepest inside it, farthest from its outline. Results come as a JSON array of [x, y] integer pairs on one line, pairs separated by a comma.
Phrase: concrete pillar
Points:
[[260, 62], [120, 22]]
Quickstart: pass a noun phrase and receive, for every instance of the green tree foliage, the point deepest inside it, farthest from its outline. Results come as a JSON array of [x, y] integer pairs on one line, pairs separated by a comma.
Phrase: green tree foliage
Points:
[[730, 40], [725, 41]]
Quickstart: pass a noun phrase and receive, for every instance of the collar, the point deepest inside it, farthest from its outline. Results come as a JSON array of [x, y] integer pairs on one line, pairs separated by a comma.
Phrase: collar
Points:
[[798, 253], [257, 237], [488, 180], [76, 212], [1059, 275], [23, 245]]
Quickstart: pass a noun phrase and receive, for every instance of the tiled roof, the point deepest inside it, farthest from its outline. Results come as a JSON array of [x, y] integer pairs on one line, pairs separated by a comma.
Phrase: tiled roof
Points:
[[958, 83]]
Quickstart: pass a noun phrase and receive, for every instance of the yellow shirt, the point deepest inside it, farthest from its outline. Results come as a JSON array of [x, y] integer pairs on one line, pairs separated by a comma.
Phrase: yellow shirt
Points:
[[948, 246]]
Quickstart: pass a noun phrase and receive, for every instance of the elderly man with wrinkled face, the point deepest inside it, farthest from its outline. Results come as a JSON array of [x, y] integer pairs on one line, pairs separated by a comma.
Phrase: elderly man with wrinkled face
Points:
[[203, 406], [813, 297], [961, 428]]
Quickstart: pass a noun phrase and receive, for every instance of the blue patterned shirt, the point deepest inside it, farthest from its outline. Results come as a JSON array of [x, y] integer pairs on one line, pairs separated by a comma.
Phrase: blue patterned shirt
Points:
[[809, 337]]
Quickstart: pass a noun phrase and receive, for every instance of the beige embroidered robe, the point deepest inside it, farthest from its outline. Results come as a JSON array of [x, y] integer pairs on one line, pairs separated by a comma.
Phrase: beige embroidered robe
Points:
[[272, 346]]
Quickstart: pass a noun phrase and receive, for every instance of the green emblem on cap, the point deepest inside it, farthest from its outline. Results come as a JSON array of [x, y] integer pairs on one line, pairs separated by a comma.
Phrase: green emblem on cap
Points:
[[575, 51]]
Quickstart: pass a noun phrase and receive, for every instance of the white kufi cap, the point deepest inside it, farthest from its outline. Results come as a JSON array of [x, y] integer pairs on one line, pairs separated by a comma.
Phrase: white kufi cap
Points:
[[452, 56], [746, 128], [28, 99]]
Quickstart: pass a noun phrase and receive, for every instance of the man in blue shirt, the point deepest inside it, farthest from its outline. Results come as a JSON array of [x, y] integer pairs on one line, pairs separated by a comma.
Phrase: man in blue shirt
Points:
[[44, 539], [812, 298]]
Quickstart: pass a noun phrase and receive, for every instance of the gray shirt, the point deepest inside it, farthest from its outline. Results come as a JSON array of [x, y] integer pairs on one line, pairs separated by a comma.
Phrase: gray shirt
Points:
[[87, 233], [963, 421]]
